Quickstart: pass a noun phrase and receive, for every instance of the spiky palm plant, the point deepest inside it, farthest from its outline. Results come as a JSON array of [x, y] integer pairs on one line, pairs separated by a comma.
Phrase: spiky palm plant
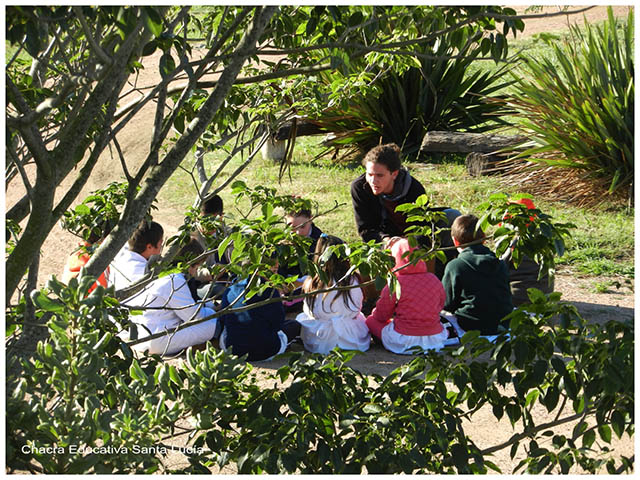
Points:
[[441, 93], [578, 105]]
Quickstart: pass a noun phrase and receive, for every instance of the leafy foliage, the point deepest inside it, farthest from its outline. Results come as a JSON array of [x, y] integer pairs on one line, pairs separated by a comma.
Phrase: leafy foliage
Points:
[[436, 92], [12, 230], [526, 231], [82, 402], [98, 213], [85, 389], [578, 105], [67, 93]]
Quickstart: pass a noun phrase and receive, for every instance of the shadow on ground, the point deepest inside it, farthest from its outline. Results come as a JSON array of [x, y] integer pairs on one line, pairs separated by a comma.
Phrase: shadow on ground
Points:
[[601, 314]]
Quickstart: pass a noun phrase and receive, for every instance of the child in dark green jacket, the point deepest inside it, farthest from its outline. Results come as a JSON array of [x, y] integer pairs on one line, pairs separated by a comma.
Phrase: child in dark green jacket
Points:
[[476, 283]]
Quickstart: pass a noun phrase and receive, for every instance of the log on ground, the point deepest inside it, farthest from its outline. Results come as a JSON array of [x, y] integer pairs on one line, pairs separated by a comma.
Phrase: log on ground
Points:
[[460, 142]]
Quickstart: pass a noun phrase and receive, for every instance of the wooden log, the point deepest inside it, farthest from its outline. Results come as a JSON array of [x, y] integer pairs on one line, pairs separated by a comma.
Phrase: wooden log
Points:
[[459, 142], [304, 128], [481, 163]]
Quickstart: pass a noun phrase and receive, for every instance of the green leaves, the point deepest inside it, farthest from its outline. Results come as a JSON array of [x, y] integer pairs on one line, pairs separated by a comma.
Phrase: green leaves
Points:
[[167, 65], [153, 20], [590, 129], [98, 213], [45, 303], [524, 231]]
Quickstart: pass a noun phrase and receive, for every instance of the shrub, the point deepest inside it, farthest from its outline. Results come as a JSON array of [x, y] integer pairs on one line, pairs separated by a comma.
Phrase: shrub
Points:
[[82, 402], [439, 93], [578, 105]]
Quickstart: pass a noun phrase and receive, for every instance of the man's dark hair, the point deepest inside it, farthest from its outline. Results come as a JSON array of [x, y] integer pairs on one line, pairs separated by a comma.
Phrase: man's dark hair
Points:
[[463, 229], [148, 232], [387, 155], [212, 206]]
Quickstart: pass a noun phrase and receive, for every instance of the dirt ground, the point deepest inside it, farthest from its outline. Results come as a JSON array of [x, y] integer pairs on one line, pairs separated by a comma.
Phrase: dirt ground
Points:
[[486, 431]]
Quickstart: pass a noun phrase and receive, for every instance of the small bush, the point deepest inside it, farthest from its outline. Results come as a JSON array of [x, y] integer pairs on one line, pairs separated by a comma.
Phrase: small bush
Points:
[[578, 104]]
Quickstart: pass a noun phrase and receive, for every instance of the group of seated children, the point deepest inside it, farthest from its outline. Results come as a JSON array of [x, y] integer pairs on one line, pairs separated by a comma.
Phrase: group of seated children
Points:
[[474, 294]]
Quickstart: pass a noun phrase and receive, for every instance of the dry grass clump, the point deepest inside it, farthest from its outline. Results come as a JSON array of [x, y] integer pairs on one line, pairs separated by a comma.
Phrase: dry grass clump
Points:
[[574, 186]]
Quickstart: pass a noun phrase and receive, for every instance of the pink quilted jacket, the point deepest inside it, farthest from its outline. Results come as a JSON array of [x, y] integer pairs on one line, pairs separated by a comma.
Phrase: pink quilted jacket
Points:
[[422, 297]]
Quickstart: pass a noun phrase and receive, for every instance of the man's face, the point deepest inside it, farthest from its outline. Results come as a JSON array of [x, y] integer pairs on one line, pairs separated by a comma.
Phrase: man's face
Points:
[[380, 178], [299, 224]]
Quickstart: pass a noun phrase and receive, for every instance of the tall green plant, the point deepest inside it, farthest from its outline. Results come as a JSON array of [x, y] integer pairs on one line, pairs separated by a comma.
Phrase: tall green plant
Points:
[[437, 93], [578, 105]]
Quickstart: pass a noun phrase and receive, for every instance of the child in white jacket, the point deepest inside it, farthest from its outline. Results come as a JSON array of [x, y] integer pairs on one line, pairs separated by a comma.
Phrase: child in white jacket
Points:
[[332, 319], [168, 303]]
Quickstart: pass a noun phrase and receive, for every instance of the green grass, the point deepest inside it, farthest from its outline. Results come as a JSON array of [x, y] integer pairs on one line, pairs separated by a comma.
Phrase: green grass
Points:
[[602, 243]]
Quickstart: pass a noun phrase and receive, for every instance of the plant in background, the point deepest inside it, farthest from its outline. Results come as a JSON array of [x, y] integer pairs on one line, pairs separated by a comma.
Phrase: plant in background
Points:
[[578, 109], [98, 213], [437, 92]]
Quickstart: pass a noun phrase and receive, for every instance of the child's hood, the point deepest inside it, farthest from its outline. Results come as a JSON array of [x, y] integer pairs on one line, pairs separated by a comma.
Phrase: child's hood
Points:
[[400, 251]]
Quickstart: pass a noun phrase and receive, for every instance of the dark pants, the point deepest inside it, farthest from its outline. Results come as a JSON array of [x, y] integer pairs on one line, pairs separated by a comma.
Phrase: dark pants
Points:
[[291, 328]]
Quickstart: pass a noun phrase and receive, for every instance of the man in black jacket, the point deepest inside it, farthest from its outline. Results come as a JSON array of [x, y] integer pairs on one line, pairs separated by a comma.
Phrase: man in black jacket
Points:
[[376, 194]]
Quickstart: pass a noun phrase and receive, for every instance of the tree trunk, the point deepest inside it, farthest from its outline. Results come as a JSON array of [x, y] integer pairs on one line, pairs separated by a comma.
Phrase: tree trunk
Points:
[[33, 236]]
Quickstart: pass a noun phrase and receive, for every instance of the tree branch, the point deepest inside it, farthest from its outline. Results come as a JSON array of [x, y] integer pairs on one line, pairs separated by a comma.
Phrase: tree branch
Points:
[[123, 162], [91, 162], [532, 431], [134, 211], [95, 47], [221, 38], [23, 174], [20, 210], [500, 16], [30, 134]]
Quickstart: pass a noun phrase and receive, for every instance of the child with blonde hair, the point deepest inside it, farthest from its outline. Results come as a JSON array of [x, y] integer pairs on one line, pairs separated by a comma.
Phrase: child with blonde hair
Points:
[[332, 319], [413, 320]]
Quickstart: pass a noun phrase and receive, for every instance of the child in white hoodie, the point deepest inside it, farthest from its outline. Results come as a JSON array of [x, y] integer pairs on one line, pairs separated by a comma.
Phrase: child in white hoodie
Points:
[[333, 319], [167, 304]]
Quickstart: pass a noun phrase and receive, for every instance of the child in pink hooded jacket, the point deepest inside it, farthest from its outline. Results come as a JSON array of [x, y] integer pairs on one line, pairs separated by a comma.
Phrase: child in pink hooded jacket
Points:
[[413, 320]]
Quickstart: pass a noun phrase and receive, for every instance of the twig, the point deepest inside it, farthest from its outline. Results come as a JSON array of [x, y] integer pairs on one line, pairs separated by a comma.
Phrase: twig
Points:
[[526, 433], [121, 158], [106, 59], [23, 174]]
